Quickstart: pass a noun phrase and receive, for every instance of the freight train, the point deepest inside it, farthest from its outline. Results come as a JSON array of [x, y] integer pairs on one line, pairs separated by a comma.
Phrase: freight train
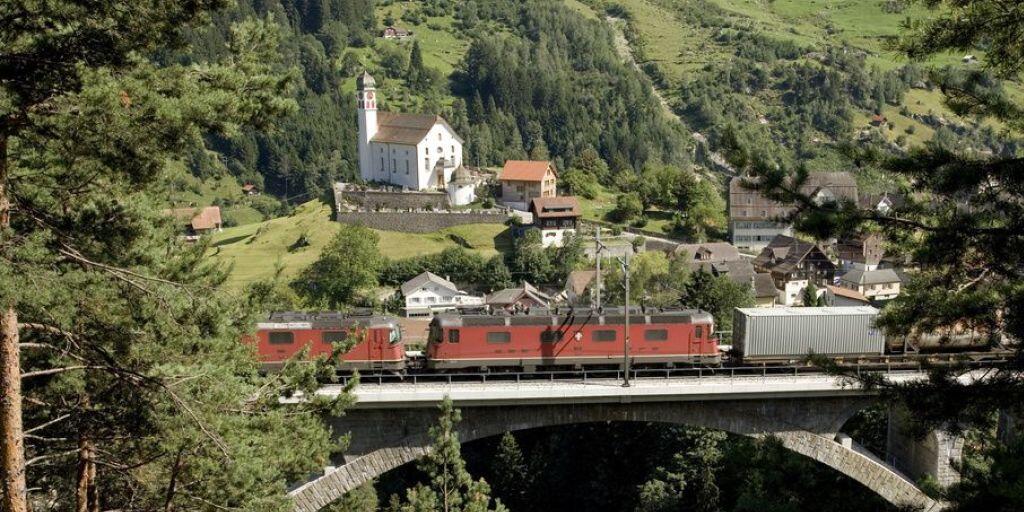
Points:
[[543, 339]]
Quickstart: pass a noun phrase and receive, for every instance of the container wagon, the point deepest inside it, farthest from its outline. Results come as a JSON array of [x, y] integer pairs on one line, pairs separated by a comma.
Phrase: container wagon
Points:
[[790, 334]]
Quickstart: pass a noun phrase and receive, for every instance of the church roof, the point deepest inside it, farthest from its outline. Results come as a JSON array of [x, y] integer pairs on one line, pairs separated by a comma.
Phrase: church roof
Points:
[[406, 128]]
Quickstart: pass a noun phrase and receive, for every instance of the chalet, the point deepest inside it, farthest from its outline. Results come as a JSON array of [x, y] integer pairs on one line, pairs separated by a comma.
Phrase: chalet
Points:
[[196, 222], [429, 293], [578, 286], [412, 151], [250, 190], [706, 253], [879, 284], [862, 252], [878, 120], [518, 299], [555, 217], [754, 220], [793, 265], [393, 32], [524, 180]]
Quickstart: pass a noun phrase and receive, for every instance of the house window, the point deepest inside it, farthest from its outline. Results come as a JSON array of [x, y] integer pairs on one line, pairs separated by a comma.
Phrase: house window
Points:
[[440, 150], [453, 150], [406, 167], [438, 138], [426, 151], [551, 336], [603, 335], [394, 163], [414, 300], [499, 337], [656, 335], [281, 338], [453, 336], [426, 163], [381, 164], [334, 336]]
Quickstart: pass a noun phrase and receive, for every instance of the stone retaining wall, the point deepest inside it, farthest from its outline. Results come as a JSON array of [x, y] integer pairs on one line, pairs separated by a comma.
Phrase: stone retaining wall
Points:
[[383, 200], [419, 222]]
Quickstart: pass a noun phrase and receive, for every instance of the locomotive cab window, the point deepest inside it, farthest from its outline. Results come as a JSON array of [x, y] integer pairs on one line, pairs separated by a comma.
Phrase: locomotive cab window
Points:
[[656, 335], [453, 336], [395, 335], [699, 332], [603, 335], [281, 338], [550, 336], [499, 337], [334, 336]]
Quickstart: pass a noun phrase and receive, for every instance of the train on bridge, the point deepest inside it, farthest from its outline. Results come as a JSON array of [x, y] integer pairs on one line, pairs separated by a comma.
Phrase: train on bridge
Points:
[[567, 339]]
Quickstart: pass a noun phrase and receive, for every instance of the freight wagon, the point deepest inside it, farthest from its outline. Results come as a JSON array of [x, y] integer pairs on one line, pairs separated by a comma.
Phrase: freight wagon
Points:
[[789, 334]]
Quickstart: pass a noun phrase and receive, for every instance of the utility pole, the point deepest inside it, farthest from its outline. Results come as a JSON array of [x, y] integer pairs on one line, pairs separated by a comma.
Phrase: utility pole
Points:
[[625, 344], [597, 254]]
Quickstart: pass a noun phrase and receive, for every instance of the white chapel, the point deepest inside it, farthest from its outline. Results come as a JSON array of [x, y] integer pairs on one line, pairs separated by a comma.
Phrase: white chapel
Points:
[[414, 151]]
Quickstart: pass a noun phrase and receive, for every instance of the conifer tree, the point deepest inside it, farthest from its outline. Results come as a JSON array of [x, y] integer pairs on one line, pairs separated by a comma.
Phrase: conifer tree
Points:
[[512, 477], [124, 381], [451, 488]]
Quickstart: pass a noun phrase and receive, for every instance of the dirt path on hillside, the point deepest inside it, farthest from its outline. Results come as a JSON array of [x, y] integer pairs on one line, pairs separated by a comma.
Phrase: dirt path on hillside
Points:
[[715, 159]]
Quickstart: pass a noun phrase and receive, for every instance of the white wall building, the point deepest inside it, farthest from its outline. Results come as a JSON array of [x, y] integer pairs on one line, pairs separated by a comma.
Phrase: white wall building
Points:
[[414, 151], [429, 293]]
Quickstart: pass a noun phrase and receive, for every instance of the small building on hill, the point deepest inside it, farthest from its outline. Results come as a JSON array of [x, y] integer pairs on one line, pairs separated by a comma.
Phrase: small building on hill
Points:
[[520, 298], [524, 180], [578, 287], [393, 32], [842, 297], [429, 293], [556, 218], [196, 222], [862, 252]]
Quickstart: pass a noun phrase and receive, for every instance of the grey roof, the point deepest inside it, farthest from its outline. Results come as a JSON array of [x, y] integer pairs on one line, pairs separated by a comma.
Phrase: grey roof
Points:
[[462, 176], [784, 254], [424, 278], [365, 80], [880, 276], [713, 251], [764, 286], [511, 295]]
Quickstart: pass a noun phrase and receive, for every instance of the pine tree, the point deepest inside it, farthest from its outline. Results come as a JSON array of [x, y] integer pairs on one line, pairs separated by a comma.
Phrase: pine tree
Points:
[[416, 74], [117, 355], [451, 488], [810, 296], [512, 477]]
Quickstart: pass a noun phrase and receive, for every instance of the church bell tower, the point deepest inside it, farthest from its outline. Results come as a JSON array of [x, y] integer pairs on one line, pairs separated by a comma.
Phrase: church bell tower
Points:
[[366, 103]]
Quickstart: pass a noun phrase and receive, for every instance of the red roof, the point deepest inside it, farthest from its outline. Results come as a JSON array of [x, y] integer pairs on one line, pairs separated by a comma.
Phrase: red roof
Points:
[[207, 217], [525, 170]]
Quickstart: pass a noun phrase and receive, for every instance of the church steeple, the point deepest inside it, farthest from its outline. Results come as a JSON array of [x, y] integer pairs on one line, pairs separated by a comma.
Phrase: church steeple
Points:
[[366, 103]]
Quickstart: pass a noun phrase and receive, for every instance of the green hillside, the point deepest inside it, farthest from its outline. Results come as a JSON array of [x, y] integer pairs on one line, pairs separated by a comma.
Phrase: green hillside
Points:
[[255, 250]]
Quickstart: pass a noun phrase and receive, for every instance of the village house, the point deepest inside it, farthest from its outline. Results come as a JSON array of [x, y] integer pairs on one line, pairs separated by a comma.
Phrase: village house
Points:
[[842, 297], [518, 299], [793, 265], [579, 286], [879, 284], [524, 180], [556, 218], [878, 120], [250, 190], [723, 259], [883, 203], [393, 32], [862, 252], [196, 222], [754, 220], [412, 151], [429, 293]]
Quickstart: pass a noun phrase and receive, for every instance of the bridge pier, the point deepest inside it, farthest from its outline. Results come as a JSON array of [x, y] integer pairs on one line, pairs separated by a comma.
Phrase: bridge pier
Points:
[[937, 455]]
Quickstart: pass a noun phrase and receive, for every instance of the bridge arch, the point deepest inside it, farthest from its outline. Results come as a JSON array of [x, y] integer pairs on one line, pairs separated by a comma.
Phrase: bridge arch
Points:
[[386, 439]]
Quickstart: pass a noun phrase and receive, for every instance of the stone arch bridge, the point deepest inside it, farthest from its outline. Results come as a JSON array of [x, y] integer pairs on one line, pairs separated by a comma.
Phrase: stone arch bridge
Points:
[[389, 424]]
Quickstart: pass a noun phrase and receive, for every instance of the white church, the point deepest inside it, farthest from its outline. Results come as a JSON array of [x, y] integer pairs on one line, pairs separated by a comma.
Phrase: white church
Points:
[[413, 151]]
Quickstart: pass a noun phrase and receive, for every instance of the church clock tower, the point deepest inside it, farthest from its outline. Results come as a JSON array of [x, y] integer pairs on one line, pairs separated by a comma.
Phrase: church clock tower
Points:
[[366, 103]]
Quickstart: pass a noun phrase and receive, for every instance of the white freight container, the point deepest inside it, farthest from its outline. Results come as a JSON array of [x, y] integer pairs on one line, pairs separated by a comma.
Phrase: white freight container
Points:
[[770, 333]]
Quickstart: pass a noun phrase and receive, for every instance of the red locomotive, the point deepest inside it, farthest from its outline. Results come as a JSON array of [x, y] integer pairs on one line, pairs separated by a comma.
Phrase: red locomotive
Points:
[[379, 345], [571, 338]]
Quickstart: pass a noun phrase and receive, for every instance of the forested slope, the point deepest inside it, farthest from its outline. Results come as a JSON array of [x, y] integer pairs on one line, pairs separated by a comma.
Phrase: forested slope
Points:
[[530, 79]]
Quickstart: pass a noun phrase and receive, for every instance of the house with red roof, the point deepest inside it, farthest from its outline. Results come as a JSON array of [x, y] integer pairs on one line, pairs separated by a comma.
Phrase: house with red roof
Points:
[[524, 180], [196, 222]]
